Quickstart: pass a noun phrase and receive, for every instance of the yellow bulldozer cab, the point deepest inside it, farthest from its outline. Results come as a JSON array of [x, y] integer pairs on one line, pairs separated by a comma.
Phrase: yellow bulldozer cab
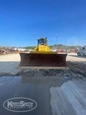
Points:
[[42, 45]]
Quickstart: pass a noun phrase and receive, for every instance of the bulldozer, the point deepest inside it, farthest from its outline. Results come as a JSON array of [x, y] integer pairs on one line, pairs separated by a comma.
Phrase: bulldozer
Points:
[[42, 57]]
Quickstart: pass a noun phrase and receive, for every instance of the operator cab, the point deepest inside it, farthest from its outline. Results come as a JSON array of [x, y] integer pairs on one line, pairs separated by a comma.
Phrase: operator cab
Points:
[[42, 41]]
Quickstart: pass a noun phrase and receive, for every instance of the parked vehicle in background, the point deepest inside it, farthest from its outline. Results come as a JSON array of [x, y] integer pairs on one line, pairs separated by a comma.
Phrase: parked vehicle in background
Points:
[[82, 51]]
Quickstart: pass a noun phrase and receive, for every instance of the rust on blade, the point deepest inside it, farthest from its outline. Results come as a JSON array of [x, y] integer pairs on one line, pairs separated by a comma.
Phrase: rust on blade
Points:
[[44, 60]]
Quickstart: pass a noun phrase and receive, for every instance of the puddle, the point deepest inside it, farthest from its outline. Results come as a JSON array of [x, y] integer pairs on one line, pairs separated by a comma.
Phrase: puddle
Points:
[[28, 87], [33, 88]]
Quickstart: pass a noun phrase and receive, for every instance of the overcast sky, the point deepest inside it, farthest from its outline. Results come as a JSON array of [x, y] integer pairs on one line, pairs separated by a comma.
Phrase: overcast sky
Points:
[[23, 21]]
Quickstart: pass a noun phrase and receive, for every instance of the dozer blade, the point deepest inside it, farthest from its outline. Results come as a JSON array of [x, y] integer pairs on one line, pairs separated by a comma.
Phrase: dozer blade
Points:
[[47, 61]]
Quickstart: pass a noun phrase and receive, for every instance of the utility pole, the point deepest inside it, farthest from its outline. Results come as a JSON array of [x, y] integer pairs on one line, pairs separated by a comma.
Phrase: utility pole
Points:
[[56, 40]]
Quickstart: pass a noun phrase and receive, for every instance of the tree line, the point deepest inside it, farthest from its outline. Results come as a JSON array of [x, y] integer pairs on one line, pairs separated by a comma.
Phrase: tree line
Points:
[[59, 46]]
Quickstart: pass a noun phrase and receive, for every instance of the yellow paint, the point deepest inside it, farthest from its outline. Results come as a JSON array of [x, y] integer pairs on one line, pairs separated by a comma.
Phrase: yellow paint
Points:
[[42, 48]]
